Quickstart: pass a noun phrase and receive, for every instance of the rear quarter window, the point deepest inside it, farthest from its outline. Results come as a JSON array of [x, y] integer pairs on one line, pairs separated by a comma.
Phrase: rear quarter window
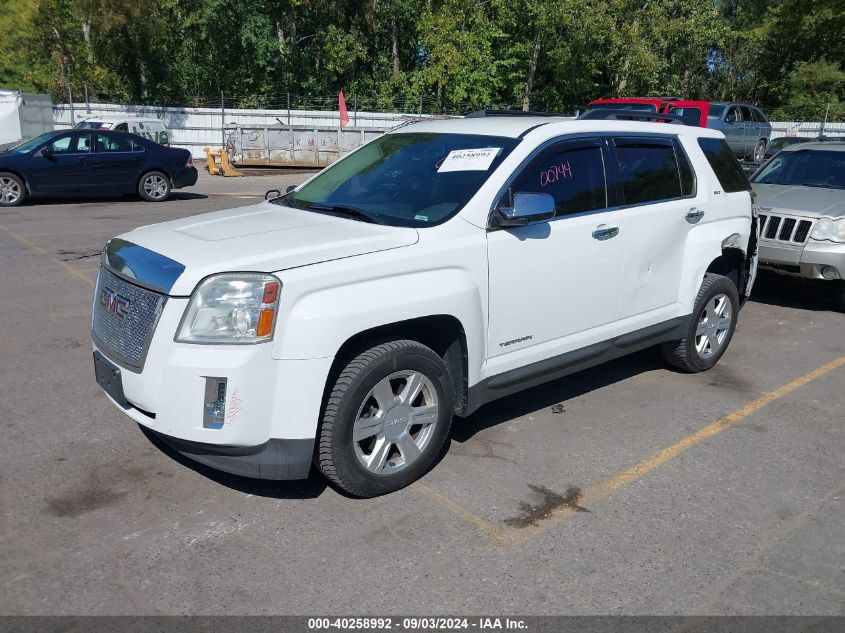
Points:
[[724, 164]]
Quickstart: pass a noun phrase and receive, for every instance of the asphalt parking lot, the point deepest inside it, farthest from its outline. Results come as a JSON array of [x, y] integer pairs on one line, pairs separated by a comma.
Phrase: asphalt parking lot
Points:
[[629, 488]]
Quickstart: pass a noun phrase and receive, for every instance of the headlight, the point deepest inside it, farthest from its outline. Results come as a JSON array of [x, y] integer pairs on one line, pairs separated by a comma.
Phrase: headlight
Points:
[[231, 308], [829, 229]]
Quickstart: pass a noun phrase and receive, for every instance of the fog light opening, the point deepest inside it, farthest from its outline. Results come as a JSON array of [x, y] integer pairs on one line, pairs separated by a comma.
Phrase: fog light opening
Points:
[[829, 272], [214, 407]]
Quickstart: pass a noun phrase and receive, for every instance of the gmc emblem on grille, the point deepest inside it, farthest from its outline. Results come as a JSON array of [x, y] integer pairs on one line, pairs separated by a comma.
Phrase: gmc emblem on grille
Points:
[[117, 304]]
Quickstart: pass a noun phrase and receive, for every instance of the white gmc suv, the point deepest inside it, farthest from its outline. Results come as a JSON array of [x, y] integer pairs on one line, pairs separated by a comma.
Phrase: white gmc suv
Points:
[[439, 267]]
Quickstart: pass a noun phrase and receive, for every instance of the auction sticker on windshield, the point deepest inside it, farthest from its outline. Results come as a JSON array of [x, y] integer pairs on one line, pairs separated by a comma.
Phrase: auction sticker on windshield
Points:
[[478, 159]]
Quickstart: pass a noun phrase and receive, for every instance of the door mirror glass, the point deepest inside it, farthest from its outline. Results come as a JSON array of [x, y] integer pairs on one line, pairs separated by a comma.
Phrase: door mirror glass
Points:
[[270, 194], [46, 151], [527, 208]]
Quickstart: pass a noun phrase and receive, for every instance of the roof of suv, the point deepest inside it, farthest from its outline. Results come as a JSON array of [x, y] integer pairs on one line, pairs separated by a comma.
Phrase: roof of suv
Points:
[[517, 126], [825, 145]]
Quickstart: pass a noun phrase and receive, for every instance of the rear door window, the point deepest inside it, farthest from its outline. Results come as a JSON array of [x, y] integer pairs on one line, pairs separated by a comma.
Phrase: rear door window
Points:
[[113, 143], [572, 173], [724, 164], [648, 169]]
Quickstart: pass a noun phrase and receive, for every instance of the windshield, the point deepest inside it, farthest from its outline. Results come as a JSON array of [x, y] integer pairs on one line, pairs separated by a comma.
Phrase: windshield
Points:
[[31, 144], [715, 111], [92, 125], [642, 107], [405, 179], [806, 167]]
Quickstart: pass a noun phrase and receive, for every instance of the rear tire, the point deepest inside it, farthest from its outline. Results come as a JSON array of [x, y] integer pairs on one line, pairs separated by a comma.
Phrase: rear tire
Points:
[[711, 327], [386, 419], [12, 190], [154, 186], [759, 152]]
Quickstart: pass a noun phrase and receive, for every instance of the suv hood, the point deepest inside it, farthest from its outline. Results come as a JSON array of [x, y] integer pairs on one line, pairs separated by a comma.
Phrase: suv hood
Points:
[[806, 201], [262, 238]]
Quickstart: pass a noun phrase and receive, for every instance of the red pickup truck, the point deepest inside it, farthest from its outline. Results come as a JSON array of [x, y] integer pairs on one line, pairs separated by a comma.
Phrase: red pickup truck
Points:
[[693, 111]]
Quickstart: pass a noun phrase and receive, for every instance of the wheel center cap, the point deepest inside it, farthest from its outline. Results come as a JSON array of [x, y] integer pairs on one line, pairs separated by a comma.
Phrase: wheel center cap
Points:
[[396, 421]]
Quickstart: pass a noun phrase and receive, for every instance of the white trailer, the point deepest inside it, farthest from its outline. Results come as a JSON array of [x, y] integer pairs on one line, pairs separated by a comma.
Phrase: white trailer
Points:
[[23, 115]]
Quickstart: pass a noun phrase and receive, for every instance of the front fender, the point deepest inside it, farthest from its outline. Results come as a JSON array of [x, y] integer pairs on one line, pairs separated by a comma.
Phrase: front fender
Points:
[[317, 324]]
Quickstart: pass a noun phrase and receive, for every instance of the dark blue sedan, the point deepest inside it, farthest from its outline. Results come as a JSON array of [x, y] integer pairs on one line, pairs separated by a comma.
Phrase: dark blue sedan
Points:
[[74, 162]]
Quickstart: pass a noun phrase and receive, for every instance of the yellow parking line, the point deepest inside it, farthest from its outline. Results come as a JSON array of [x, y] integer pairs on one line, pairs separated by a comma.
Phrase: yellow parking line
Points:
[[487, 528], [601, 491], [34, 247]]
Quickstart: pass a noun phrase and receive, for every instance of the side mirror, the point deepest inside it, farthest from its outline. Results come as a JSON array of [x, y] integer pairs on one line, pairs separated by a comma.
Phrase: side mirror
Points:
[[272, 193], [527, 208], [46, 152], [291, 188]]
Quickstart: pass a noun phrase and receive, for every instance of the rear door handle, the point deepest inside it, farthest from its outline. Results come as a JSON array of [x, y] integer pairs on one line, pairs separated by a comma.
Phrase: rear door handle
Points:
[[694, 215], [604, 232]]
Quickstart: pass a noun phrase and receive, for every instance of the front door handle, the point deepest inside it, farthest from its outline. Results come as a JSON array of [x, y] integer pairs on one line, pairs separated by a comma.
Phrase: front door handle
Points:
[[694, 215], [604, 232]]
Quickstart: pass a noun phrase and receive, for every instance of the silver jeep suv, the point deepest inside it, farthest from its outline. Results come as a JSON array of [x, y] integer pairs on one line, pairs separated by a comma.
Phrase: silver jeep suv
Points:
[[801, 202]]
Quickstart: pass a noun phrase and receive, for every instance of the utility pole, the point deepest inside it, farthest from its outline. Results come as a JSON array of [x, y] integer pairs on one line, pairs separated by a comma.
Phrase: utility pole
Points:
[[222, 119], [824, 123], [70, 99]]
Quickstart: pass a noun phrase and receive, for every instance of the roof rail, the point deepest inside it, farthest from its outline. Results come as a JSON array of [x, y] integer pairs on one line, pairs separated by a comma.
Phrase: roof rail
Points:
[[635, 115], [478, 114]]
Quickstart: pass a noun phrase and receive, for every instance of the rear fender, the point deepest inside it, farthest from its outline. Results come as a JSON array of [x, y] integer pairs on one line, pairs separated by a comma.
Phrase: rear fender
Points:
[[704, 245]]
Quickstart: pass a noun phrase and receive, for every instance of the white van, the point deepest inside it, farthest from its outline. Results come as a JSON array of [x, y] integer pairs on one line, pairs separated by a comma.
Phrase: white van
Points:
[[152, 129]]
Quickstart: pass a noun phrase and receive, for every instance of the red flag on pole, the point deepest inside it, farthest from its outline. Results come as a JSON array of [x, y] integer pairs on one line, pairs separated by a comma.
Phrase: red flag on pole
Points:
[[341, 105]]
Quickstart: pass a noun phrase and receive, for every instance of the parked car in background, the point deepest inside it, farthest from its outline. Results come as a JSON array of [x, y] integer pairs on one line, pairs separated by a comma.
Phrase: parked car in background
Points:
[[693, 112], [439, 267], [74, 162], [746, 128], [148, 128], [781, 142], [777, 144], [801, 202]]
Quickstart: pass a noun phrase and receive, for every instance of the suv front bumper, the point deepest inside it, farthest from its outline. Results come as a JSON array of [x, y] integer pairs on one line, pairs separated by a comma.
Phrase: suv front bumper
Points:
[[807, 262], [274, 459], [272, 406]]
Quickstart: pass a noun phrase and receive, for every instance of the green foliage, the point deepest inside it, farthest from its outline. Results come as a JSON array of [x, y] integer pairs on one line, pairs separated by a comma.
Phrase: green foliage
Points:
[[441, 55]]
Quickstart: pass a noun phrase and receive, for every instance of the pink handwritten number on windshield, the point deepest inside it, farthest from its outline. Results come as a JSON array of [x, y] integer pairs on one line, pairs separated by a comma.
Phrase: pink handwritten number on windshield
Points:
[[555, 173]]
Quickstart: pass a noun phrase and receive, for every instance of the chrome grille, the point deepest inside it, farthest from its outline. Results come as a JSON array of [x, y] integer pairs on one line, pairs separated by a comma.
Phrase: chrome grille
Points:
[[784, 229], [123, 319]]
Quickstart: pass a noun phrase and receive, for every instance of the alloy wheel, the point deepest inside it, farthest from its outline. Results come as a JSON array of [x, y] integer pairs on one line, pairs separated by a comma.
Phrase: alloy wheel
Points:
[[713, 326], [155, 187], [10, 190], [395, 422]]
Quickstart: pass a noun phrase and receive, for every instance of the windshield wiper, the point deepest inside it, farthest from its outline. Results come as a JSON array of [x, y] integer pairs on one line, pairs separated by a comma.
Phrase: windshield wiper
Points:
[[342, 209], [821, 185]]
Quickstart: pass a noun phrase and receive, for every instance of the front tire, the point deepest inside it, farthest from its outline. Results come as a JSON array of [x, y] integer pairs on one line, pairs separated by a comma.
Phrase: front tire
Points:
[[12, 190], [154, 186], [386, 419], [711, 327]]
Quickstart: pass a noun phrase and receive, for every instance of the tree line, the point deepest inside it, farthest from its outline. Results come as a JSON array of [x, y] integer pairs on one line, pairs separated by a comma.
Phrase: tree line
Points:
[[788, 56]]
